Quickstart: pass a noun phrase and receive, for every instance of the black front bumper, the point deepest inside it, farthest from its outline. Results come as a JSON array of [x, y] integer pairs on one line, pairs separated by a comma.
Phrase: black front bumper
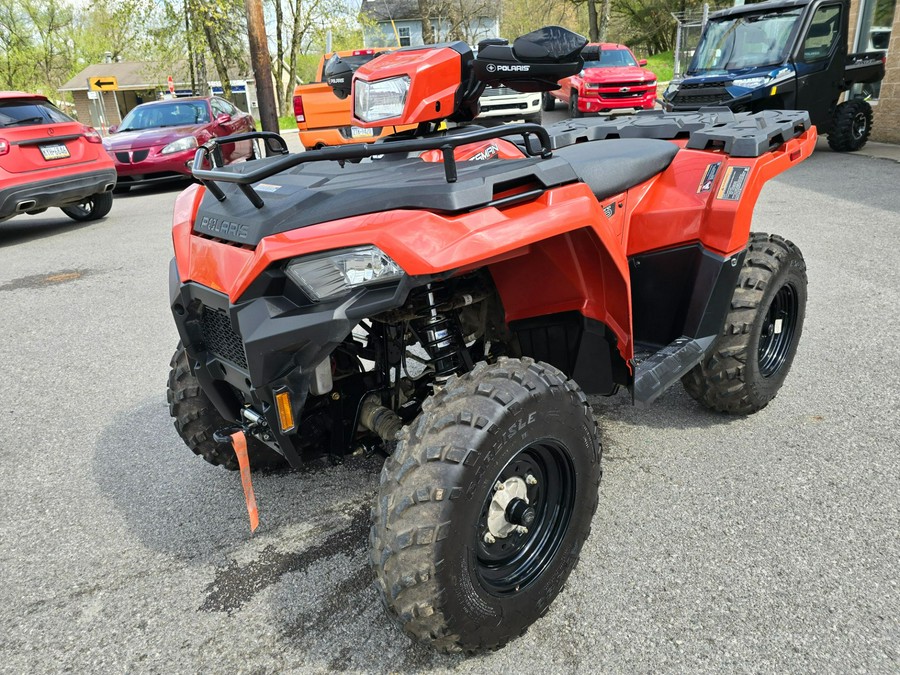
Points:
[[54, 192], [266, 342]]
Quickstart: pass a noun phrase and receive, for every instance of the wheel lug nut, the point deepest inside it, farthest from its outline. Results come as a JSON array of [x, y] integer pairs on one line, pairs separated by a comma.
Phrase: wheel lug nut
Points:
[[489, 538], [521, 529], [499, 486], [531, 480]]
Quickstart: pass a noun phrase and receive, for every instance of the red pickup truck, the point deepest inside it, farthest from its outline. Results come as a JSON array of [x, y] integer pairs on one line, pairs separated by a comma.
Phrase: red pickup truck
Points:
[[612, 79]]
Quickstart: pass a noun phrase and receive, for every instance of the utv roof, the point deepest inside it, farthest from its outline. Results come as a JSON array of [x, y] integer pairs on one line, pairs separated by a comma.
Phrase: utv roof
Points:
[[759, 8]]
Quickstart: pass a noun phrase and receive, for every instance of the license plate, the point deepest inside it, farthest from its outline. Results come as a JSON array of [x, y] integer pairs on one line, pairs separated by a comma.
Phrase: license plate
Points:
[[55, 151], [359, 132]]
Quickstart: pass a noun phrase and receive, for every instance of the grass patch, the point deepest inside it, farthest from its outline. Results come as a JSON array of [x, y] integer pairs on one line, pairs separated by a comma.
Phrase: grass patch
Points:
[[663, 64], [283, 123]]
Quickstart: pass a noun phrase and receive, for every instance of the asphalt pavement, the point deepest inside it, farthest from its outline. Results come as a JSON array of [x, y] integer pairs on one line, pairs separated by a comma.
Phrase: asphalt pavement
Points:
[[759, 544]]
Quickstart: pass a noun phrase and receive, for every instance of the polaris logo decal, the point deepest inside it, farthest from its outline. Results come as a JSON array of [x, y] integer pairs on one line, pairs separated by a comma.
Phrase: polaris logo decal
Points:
[[500, 68], [609, 209], [223, 228], [487, 153]]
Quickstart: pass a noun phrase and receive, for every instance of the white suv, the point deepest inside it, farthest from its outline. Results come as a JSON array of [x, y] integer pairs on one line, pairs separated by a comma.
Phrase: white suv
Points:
[[508, 104]]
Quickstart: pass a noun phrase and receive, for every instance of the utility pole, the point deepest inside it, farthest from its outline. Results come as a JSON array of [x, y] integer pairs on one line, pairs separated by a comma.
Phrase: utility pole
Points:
[[262, 66]]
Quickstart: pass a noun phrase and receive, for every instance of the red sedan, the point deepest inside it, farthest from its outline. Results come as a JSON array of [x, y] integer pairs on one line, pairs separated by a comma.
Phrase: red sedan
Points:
[[612, 79], [157, 141], [48, 159]]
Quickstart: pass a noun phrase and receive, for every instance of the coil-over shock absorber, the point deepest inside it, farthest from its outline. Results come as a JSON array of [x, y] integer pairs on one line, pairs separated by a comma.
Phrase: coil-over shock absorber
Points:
[[439, 334]]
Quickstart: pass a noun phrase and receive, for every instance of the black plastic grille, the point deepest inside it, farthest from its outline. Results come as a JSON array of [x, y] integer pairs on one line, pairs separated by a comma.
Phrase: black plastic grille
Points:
[[221, 339], [123, 157], [139, 155]]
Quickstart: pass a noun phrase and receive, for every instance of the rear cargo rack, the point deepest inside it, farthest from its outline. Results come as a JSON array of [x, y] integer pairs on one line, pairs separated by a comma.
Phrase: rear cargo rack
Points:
[[209, 152]]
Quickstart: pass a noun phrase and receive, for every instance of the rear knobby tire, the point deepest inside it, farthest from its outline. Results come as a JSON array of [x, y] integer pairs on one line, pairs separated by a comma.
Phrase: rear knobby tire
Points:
[[852, 126], [438, 577], [91, 208], [753, 354], [196, 420]]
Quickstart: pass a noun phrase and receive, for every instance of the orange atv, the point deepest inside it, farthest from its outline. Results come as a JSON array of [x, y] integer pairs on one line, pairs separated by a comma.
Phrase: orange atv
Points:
[[447, 299]]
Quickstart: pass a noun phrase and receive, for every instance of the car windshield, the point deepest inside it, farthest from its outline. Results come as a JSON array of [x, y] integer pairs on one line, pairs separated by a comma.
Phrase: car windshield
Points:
[[745, 42], [612, 58], [25, 113], [174, 114]]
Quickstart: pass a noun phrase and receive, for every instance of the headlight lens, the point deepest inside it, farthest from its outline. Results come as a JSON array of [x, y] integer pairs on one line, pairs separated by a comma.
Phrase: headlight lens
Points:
[[187, 143], [752, 82], [331, 275], [380, 100]]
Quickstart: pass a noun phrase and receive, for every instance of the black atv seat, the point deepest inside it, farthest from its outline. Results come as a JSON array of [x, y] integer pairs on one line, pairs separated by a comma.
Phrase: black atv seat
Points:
[[612, 166]]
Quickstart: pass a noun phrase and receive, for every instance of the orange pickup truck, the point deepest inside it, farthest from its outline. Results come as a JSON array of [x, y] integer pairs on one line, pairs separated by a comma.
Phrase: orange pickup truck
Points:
[[324, 119]]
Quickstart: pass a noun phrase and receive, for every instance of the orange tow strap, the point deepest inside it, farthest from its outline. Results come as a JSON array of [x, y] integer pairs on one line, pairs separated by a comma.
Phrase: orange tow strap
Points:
[[239, 442]]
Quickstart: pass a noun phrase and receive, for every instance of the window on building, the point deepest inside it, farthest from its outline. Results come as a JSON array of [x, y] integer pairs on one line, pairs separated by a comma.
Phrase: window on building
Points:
[[873, 34], [403, 32]]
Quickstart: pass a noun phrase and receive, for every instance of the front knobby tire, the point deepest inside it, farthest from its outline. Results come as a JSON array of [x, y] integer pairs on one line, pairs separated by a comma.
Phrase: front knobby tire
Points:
[[196, 420], [752, 356], [852, 126], [517, 423]]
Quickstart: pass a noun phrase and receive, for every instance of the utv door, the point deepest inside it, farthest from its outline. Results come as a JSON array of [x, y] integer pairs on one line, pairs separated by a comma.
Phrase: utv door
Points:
[[820, 60]]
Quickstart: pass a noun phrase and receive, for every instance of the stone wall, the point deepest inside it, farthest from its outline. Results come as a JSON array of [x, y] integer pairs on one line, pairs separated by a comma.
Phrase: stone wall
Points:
[[886, 126]]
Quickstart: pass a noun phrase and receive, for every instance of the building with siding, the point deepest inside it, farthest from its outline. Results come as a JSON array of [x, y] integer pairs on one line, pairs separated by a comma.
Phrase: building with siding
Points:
[[399, 22]]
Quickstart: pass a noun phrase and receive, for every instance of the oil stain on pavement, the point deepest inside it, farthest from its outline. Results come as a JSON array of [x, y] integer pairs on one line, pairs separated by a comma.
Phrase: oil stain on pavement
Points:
[[235, 585]]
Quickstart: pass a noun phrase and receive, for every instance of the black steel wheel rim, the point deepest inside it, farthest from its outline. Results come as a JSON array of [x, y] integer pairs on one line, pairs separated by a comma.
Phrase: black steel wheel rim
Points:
[[510, 564], [778, 330], [83, 208], [858, 127]]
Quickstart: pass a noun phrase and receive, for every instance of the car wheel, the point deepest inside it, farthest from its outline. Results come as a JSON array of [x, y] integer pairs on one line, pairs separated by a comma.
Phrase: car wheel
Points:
[[90, 208], [573, 106]]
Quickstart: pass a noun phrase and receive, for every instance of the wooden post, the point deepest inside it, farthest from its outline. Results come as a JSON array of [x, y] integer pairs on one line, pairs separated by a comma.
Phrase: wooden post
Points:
[[262, 66]]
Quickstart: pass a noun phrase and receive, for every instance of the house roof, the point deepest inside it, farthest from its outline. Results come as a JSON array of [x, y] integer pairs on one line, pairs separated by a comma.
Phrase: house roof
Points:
[[137, 75], [385, 10]]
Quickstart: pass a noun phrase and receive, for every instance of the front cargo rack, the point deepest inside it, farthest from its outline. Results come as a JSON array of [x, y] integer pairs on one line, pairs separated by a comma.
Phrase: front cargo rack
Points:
[[209, 152]]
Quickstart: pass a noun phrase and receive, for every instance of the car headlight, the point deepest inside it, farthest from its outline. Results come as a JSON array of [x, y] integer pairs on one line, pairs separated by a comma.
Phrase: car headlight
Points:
[[331, 275], [187, 143], [380, 100]]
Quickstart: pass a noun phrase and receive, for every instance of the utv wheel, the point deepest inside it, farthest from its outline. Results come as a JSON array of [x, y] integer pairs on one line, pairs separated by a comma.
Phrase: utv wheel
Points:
[[753, 354], [573, 106], [90, 208], [451, 564], [852, 126], [548, 103], [196, 419]]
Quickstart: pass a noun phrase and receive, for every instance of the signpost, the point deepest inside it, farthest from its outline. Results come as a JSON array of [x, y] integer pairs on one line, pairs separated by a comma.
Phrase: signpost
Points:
[[104, 83], [171, 83]]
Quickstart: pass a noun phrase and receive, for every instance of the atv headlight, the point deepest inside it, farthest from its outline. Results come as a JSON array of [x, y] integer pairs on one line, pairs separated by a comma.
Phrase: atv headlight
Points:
[[186, 143], [331, 275], [751, 82], [380, 100]]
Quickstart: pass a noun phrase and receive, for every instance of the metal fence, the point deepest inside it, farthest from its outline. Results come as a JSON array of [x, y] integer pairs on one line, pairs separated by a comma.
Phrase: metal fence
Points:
[[690, 25]]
